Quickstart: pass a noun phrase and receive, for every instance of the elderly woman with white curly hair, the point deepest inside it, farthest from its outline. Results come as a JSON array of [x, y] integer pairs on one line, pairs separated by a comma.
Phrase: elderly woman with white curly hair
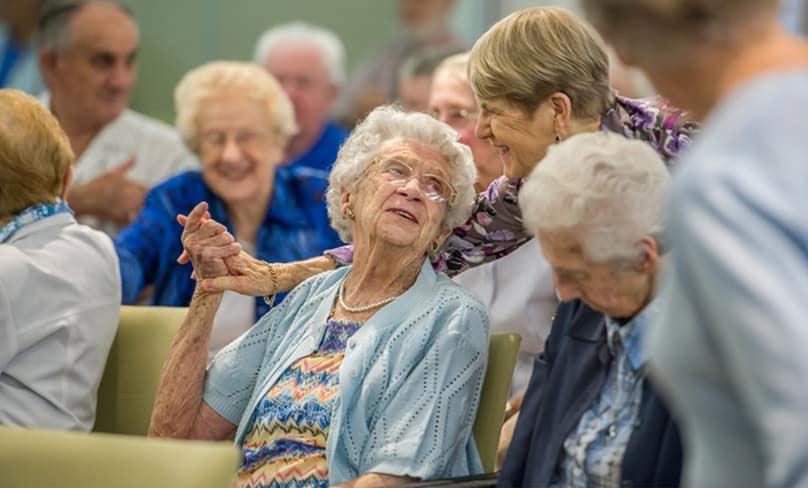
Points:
[[367, 375], [590, 416]]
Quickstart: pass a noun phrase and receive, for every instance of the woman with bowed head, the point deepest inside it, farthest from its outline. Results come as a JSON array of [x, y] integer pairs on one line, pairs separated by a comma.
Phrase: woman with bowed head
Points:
[[363, 376]]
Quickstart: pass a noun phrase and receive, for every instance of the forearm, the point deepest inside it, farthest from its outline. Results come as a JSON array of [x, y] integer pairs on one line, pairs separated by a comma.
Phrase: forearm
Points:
[[179, 394], [292, 274], [374, 480]]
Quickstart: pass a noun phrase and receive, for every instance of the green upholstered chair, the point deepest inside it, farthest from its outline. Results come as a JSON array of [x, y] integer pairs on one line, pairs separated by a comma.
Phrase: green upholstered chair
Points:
[[32, 458], [502, 352], [127, 390]]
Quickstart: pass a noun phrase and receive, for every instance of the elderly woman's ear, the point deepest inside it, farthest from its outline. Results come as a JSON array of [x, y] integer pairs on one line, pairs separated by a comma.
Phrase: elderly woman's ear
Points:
[[345, 204], [649, 263]]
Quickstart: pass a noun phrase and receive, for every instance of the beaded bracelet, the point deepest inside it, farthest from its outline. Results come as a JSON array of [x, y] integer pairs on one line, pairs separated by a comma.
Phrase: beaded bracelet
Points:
[[270, 299]]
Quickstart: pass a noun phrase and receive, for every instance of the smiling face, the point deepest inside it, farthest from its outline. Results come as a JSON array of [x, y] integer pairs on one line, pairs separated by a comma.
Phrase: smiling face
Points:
[[452, 102], [521, 139], [399, 215], [238, 148], [617, 293]]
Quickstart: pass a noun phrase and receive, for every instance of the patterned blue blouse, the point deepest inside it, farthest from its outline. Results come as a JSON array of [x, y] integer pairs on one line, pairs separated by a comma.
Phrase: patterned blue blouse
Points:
[[287, 435], [295, 227], [593, 452]]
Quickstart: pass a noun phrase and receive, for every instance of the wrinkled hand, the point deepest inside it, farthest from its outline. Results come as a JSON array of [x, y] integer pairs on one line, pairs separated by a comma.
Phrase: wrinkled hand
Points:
[[247, 275], [111, 195], [206, 242]]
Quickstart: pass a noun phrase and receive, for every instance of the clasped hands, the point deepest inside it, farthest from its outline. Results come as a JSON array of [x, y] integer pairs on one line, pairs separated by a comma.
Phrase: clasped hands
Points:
[[218, 260]]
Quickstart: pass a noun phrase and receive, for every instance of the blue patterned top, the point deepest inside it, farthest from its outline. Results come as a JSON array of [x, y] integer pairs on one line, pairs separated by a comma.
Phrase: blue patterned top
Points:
[[30, 215], [286, 437], [593, 452], [295, 227]]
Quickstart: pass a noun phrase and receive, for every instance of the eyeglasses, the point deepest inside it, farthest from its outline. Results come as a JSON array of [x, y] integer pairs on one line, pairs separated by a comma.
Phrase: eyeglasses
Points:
[[217, 139], [433, 186], [455, 117]]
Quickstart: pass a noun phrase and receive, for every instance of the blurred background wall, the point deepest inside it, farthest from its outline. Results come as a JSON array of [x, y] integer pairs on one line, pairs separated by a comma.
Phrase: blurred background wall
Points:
[[177, 35]]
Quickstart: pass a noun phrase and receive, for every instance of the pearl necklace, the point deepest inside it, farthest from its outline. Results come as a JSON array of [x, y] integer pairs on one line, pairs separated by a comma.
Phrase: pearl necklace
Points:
[[364, 308]]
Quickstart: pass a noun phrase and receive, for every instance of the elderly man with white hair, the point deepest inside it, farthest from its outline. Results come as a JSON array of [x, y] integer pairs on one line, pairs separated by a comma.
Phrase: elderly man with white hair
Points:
[[309, 63], [590, 417], [87, 52]]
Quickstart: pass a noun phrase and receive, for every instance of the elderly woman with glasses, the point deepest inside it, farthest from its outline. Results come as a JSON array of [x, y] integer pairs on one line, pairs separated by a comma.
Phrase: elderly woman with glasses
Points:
[[367, 375], [237, 120]]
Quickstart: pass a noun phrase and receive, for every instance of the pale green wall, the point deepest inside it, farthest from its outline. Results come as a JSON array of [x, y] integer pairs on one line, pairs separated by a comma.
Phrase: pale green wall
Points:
[[177, 35]]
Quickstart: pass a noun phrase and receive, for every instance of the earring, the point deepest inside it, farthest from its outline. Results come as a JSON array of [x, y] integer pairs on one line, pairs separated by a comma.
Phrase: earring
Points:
[[557, 138], [349, 212], [433, 247]]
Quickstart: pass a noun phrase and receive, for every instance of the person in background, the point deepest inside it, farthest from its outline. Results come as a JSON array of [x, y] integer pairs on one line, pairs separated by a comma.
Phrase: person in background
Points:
[[369, 375], [59, 282], [375, 81], [309, 63], [236, 118], [87, 53], [415, 78], [18, 61], [729, 347], [517, 289]]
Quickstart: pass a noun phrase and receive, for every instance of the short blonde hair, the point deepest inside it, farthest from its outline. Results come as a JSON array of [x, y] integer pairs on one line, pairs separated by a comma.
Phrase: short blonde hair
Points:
[[222, 78], [34, 154], [655, 32], [532, 53]]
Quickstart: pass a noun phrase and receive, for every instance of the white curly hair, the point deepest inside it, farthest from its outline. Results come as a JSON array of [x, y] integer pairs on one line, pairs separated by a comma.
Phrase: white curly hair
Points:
[[387, 123]]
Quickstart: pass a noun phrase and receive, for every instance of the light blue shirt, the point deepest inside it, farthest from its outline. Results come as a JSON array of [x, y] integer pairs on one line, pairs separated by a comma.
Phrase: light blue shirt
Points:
[[410, 380], [593, 452], [731, 347]]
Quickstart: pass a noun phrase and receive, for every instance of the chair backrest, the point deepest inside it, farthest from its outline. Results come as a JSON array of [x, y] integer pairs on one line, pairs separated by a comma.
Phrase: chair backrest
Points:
[[33, 457], [502, 352], [127, 390]]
